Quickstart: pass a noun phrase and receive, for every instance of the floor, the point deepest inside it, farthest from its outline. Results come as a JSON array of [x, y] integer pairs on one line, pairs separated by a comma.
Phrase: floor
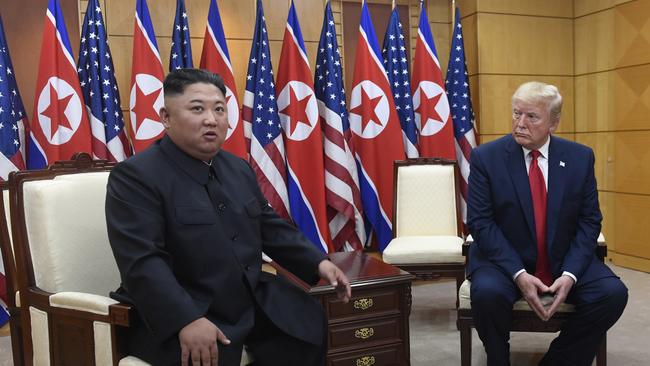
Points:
[[435, 340]]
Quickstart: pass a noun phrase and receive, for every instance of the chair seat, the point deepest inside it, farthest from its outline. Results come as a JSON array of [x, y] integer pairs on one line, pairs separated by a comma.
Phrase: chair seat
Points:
[[424, 249], [521, 304]]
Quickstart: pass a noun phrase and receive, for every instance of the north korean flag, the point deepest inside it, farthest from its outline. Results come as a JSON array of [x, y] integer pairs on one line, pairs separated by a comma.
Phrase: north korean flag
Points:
[[215, 57], [60, 125], [146, 82], [377, 133], [432, 115], [303, 140]]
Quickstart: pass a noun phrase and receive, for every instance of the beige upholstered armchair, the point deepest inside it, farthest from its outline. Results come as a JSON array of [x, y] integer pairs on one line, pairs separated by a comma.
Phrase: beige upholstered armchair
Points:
[[65, 267], [524, 318], [427, 230]]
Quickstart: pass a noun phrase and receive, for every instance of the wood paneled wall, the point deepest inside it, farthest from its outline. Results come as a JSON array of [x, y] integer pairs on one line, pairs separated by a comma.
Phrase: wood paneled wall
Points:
[[612, 115]]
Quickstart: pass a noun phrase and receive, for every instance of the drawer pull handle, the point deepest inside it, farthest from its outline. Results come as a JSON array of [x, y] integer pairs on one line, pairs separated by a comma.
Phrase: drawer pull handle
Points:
[[364, 333], [363, 304], [366, 361]]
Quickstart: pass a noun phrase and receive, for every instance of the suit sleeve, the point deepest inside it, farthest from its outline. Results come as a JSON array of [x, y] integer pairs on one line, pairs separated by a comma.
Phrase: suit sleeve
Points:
[[135, 221], [582, 247], [283, 242], [488, 237]]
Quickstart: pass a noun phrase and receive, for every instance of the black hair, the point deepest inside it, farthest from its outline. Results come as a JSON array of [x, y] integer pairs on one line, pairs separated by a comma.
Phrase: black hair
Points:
[[177, 80]]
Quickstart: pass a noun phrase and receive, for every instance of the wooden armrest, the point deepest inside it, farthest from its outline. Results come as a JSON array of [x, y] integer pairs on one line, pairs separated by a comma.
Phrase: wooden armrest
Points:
[[601, 249], [118, 314]]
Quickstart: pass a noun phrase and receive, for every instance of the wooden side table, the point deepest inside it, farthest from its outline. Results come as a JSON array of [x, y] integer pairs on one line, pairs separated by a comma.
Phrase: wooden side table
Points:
[[372, 329]]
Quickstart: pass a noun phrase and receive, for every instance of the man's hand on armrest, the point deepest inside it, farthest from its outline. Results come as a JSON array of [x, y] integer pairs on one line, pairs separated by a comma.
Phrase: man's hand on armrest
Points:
[[335, 277], [199, 341]]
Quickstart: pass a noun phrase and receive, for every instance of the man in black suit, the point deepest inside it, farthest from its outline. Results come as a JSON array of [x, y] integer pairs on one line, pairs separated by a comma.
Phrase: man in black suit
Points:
[[528, 242], [187, 224]]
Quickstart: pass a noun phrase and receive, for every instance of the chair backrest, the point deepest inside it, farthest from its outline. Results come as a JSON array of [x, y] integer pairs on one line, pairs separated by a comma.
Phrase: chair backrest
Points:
[[60, 230], [425, 198]]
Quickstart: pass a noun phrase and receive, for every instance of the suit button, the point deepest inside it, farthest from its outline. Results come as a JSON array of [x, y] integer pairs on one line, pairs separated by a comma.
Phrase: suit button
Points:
[[234, 237], [247, 268], [221, 207]]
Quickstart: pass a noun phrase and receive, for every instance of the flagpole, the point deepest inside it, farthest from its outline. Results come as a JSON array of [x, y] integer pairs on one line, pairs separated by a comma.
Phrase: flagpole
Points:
[[453, 16], [393, 5]]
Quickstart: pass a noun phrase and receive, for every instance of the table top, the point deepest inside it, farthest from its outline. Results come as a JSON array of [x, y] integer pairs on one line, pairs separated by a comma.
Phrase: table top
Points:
[[362, 270]]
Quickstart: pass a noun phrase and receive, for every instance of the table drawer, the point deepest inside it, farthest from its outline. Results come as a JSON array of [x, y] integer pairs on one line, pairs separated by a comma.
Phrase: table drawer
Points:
[[358, 334], [378, 356], [374, 302]]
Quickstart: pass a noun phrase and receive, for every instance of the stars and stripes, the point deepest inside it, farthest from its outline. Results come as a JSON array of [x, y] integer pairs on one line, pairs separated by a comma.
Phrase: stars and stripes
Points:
[[12, 117], [377, 133], [397, 69], [99, 87], [342, 193], [461, 108], [147, 76], [267, 154], [303, 138], [432, 115], [215, 58], [59, 126], [180, 56]]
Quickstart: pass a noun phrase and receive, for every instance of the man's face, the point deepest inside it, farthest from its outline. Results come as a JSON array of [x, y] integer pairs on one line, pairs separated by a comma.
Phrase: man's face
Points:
[[531, 123], [197, 120]]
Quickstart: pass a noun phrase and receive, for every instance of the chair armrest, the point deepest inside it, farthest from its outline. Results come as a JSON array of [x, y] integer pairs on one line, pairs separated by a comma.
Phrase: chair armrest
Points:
[[468, 241]]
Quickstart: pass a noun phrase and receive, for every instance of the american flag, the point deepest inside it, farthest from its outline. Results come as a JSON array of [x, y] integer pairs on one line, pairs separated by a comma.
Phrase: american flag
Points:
[[99, 87], [303, 137], [12, 117], [261, 111], [375, 124], [215, 57], [342, 194], [397, 68], [59, 126], [461, 108], [181, 52], [429, 99]]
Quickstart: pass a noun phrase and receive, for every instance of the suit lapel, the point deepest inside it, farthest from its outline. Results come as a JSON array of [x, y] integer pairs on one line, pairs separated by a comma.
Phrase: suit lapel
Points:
[[557, 170], [517, 169]]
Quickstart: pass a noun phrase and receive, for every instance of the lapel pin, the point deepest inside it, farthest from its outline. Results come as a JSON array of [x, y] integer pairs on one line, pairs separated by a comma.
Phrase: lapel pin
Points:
[[562, 164]]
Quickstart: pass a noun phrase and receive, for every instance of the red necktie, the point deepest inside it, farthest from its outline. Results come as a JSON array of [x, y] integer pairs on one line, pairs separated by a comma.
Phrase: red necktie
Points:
[[538, 191]]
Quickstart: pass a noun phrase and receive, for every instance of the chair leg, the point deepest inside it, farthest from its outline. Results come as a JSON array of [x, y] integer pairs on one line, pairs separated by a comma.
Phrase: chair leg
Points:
[[601, 355], [466, 344]]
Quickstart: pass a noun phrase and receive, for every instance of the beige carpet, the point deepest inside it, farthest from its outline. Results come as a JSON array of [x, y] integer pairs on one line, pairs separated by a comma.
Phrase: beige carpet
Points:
[[435, 340]]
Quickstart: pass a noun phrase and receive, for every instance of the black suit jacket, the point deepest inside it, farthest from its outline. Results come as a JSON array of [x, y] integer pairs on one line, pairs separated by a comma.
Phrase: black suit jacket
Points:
[[501, 218], [186, 251]]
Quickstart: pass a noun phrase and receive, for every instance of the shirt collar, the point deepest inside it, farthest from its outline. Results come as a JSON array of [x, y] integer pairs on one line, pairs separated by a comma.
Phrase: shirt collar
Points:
[[195, 168], [542, 150]]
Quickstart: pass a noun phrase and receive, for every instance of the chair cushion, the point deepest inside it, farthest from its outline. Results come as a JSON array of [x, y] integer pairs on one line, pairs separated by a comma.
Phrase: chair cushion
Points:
[[66, 229], [424, 249], [425, 200], [466, 303]]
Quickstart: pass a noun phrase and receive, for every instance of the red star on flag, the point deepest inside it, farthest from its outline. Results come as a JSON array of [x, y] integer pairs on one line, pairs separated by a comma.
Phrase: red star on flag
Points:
[[56, 111], [296, 110], [366, 109], [427, 108], [144, 106]]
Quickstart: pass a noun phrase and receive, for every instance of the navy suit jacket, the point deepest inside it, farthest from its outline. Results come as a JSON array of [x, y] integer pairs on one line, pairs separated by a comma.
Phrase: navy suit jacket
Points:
[[501, 218]]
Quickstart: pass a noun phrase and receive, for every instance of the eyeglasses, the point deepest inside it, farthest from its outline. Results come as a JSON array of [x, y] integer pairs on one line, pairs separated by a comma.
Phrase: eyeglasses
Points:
[[531, 117]]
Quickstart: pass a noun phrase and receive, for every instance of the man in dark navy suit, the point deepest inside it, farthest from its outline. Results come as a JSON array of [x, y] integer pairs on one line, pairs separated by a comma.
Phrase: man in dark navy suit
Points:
[[533, 212], [187, 224]]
